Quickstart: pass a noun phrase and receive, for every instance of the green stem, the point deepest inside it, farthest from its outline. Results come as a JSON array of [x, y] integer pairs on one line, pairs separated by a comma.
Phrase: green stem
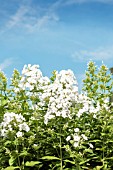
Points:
[[18, 158], [23, 163], [61, 168], [56, 149]]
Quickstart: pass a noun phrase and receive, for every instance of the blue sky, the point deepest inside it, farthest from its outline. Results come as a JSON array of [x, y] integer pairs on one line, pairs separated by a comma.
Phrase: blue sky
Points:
[[56, 34]]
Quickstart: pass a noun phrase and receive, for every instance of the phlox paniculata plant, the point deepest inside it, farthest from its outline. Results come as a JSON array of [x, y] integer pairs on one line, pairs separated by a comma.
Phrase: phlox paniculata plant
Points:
[[47, 124]]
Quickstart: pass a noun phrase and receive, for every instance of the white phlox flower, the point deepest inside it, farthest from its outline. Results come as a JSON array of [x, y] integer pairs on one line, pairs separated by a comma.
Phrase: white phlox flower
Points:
[[68, 138], [88, 105], [12, 120], [76, 144], [91, 146], [84, 137], [60, 94], [32, 76], [76, 130], [94, 116], [16, 90], [19, 134], [76, 138], [24, 127]]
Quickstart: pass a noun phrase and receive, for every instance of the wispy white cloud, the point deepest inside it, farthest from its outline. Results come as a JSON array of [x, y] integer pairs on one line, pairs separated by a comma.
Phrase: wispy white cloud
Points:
[[42, 22], [18, 17], [33, 19], [70, 2], [97, 55], [36, 18], [6, 63]]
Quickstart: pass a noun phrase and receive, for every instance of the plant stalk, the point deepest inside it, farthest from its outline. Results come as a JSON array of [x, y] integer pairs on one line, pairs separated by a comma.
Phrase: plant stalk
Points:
[[61, 166]]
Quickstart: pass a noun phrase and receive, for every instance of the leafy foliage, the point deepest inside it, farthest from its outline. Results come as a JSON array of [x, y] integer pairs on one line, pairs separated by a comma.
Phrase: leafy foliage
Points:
[[46, 124]]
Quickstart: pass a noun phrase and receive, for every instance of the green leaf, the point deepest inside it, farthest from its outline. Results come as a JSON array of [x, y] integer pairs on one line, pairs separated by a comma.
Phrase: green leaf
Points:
[[72, 162], [32, 163], [23, 153], [7, 142], [98, 149], [96, 140], [50, 158], [98, 167], [11, 168], [83, 167], [81, 163], [4, 102], [11, 161], [88, 150]]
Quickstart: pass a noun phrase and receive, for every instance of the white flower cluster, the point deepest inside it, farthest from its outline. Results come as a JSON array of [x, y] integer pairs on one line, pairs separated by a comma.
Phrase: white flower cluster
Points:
[[88, 106], [11, 121], [106, 104], [76, 138], [31, 77], [60, 94]]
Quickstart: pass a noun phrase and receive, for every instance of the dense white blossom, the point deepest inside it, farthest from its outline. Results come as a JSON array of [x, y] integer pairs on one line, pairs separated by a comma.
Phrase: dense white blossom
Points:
[[11, 121], [60, 95], [31, 77]]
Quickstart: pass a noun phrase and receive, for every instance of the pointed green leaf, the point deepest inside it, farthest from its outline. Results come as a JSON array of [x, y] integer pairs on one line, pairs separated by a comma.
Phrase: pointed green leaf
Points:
[[11, 161], [98, 167], [32, 163], [11, 168], [88, 150], [24, 153], [50, 158], [72, 162]]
